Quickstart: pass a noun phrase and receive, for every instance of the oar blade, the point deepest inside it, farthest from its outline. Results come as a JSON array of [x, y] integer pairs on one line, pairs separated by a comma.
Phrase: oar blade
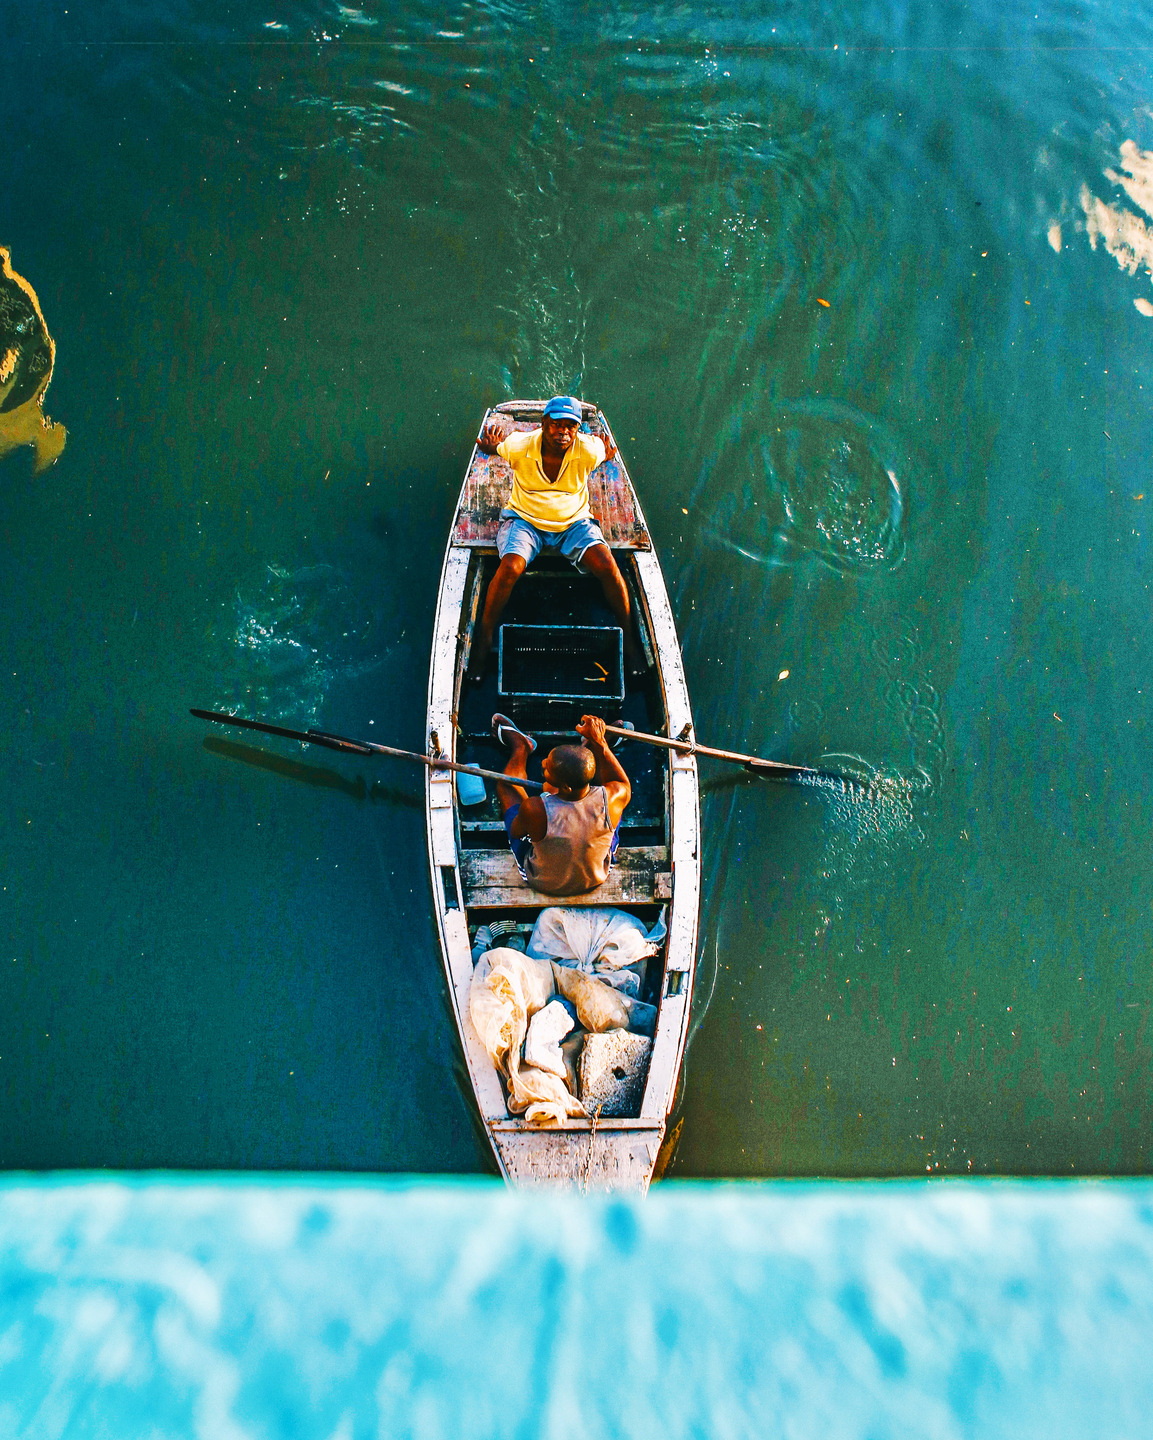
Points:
[[766, 770]]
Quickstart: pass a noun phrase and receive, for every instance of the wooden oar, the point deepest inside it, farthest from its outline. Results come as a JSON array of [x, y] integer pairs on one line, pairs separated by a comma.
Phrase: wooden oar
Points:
[[362, 747], [771, 769]]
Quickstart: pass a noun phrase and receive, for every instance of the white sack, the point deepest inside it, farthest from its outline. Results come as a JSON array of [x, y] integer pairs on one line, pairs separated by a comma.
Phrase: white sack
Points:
[[599, 1007], [508, 988], [592, 935], [546, 1030], [542, 1098], [628, 982]]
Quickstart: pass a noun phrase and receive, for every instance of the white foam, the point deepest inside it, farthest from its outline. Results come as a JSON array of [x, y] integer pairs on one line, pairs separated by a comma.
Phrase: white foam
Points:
[[1125, 234]]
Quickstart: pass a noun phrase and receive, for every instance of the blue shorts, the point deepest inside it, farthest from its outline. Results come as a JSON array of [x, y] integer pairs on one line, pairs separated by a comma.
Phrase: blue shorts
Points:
[[522, 848], [517, 536]]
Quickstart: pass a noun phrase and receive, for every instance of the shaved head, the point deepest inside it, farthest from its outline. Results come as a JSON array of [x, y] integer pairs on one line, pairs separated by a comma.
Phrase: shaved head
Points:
[[572, 766]]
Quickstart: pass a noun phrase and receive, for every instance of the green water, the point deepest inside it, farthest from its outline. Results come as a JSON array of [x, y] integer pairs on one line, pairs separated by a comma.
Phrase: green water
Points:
[[287, 257]]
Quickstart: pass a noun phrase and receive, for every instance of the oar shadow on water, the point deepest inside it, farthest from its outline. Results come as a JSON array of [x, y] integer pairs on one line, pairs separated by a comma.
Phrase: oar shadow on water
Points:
[[318, 776], [731, 780]]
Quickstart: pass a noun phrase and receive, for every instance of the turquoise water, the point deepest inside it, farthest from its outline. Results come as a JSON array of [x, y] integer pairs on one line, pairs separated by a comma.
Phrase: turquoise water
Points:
[[861, 293], [243, 1309]]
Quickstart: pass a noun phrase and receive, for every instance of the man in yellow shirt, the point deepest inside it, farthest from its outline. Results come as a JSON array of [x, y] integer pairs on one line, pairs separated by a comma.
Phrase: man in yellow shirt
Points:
[[549, 510]]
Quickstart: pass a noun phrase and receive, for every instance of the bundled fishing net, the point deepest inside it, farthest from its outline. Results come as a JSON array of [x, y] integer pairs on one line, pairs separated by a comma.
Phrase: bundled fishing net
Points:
[[508, 988]]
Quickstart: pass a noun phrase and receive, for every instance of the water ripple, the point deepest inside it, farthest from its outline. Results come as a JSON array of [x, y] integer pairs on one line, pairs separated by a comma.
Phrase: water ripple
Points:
[[818, 479], [288, 637], [873, 821], [915, 703]]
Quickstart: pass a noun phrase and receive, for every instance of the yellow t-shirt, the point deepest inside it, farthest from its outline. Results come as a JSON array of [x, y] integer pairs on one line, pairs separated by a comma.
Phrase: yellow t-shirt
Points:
[[550, 504]]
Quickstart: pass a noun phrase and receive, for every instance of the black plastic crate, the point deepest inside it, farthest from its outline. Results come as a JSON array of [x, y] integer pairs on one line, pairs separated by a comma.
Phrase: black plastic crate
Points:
[[561, 662]]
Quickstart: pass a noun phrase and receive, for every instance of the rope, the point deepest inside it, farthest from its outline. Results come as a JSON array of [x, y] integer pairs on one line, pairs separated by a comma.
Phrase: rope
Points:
[[592, 1146]]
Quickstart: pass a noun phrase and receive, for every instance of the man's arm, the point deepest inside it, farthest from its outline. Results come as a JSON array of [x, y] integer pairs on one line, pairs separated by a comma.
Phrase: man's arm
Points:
[[603, 436], [495, 429], [531, 821], [610, 773]]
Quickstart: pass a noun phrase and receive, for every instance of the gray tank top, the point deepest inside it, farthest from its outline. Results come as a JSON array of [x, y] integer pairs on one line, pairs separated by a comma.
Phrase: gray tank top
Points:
[[574, 855]]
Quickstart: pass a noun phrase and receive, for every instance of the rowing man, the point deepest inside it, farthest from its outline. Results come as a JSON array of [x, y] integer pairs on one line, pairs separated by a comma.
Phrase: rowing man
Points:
[[564, 840], [549, 510]]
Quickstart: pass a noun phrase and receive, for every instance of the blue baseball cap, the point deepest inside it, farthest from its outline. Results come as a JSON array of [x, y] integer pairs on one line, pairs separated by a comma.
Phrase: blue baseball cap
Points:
[[564, 407]]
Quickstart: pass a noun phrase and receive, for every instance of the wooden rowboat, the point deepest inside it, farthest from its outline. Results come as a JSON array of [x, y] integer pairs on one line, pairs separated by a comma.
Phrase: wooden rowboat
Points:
[[474, 878]]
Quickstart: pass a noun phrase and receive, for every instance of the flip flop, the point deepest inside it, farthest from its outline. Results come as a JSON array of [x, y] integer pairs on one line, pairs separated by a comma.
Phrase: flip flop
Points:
[[620, 739], [502, 725]]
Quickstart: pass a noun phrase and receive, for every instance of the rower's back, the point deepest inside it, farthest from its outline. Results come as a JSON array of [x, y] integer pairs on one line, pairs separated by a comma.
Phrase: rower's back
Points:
[[575, 854]]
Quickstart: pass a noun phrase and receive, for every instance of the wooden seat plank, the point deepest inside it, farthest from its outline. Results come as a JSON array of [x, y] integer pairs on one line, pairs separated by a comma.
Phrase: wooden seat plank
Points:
[[640, 876]]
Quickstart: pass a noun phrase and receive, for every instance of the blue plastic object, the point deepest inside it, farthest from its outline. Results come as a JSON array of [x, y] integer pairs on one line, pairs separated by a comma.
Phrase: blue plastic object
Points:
[[470, 788]]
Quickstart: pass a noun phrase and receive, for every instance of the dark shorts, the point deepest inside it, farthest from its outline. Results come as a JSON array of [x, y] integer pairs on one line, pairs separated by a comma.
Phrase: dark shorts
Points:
[[521, 849]]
